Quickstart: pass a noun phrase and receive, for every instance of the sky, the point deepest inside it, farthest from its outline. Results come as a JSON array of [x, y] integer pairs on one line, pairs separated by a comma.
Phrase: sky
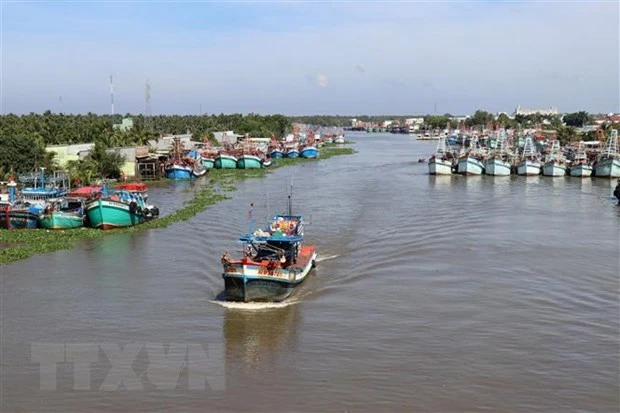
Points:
[[310, 57]]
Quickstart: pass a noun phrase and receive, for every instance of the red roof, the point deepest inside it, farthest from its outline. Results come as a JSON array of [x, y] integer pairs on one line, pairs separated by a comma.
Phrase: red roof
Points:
[[85, 191]]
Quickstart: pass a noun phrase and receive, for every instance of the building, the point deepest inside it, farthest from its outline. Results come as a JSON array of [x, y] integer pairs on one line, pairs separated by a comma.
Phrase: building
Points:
[[164, 144], [66, 153], [551, 111], [227, 137], [414, 121], [125, 125]]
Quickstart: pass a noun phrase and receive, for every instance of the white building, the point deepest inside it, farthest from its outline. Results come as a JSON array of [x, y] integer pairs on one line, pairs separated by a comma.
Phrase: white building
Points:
[[545, 112]]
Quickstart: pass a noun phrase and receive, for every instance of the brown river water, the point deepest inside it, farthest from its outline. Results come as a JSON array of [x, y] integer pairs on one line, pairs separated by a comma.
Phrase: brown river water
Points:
[[434, 294]]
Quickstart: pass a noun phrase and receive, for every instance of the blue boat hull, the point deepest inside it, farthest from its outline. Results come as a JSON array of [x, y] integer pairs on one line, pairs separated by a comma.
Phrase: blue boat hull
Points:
[[276, 154], [18, 219], [310, 152], [178, 173], [292, 154]]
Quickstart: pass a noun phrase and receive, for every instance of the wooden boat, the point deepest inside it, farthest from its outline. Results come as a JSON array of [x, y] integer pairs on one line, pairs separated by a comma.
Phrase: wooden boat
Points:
[[67, 213], [608, 162], [274, 263], [183, 167], [249, 161], [497, 163], [225, 161], [470, 162], [579, 165], [441, 162], [555, 164], [134, 187], [16, 214], [122, 209], [339, 139], [528, 165]]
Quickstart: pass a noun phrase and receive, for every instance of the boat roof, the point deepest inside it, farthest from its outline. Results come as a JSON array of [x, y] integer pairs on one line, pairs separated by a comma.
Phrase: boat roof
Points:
[[271, 237]]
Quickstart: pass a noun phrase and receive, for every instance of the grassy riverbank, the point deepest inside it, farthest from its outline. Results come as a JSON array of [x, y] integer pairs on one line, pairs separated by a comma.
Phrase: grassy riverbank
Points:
[[20, 244]]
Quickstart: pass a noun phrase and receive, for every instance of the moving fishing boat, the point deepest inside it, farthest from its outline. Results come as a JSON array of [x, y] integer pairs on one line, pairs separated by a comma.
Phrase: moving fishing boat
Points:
[[67, 213], [118, 210], [579, 165], [274, 263], [555, 164], [528, 165], [608, 162], [441, 162]]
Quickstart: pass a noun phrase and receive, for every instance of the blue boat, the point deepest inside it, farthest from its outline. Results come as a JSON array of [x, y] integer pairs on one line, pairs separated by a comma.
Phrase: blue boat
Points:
[[177, 171], [309, 152], [292, 153], [276, 153], [275, 261], [17, 214]]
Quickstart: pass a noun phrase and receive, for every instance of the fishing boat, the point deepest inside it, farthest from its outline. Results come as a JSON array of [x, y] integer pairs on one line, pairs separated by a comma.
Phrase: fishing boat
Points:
[[118, 210], [441, 162], [183, 167], [134, 187], [497, 163], [528, 165], [275, 261], [67, 213], [579, 165], [249, 161], [470, 162], [309, 148], [555, 164], [608, 162], [16, 214], [267, 162], [339, 139], [291, 150], [41, 192]]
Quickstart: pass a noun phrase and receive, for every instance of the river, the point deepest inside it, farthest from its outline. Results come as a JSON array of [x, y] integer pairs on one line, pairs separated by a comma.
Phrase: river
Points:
[[435, 294]]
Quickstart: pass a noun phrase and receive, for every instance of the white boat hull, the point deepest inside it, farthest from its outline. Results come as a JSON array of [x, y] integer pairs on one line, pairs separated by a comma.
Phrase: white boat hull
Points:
[[554, 169], [609, 168], [437, 166], [497, 167], [470, 166], [528, 168], [580, 171]]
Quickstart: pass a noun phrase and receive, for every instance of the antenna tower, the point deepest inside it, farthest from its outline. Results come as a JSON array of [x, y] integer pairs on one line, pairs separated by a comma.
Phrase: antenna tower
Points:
[[111, 101], [148, 124]]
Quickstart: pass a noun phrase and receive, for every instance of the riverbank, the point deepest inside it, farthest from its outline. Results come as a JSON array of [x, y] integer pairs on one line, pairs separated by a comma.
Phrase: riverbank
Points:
[[17, 245]]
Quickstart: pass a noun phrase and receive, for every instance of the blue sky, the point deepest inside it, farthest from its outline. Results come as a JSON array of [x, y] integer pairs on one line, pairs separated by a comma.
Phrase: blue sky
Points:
[[311, 57]]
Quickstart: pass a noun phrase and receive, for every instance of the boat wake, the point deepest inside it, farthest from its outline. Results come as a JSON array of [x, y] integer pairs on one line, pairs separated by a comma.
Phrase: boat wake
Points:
[[322, 258], [256, 306]]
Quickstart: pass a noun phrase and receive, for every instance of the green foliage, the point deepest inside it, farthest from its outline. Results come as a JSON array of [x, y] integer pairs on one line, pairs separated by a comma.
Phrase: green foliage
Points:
[[436, 121], [566, 134], [480, 118], [577, 119], [23, 153]]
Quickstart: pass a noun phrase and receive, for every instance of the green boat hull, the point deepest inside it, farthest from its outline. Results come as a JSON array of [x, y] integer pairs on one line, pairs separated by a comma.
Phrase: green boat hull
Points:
[[107, 214], [61, 220], [249, 162], [208, 163], [225, 162]]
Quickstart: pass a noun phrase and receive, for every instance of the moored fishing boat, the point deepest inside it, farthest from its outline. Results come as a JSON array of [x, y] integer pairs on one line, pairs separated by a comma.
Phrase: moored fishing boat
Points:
[[608, 162], [579, 165], [183, 167], [528, 165], [309, 151], [274, 263], [554, 165], [16, 214], [339, 139], [134, 187], [292, 151], [225, 160], [122, 209], [470, 162], [441, 162], [497, 163], [249, 161]]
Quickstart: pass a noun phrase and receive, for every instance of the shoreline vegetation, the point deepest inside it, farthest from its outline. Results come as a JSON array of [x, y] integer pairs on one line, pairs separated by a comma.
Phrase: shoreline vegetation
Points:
[[16, 245]]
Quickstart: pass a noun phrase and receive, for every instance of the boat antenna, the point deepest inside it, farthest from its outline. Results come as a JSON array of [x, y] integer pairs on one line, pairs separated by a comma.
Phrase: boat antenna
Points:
[[250, 217], [290, 200]]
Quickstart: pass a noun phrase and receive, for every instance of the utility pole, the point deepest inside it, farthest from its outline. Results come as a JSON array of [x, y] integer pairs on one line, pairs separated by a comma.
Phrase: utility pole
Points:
[[60, 100], [147, 107], [111, 102]]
